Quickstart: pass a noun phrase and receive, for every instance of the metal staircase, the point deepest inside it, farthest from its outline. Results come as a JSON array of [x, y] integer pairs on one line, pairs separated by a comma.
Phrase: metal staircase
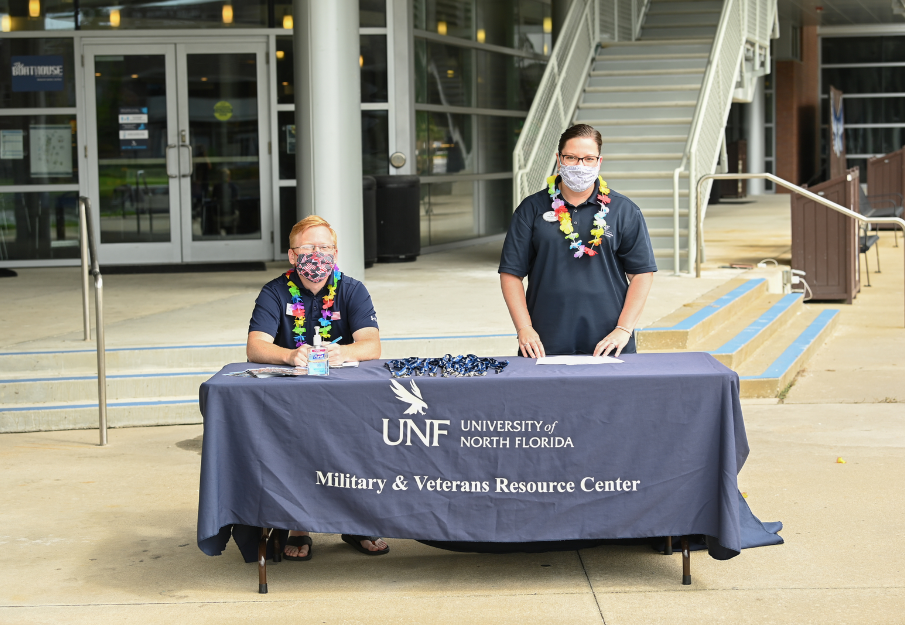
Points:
[[656, 79]]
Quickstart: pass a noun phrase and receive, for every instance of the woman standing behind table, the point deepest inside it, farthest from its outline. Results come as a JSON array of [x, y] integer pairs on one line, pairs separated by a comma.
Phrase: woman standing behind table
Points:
[[587, 255]]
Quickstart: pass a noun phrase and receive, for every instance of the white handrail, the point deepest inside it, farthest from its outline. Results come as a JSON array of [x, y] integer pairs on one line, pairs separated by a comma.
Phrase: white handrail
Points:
[[897, 221], [89, 248], [743, 23]]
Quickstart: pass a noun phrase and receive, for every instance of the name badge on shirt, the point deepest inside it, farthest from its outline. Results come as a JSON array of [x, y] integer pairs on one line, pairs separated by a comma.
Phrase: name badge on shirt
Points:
[[289, 308], [335, 316], [550, 216]]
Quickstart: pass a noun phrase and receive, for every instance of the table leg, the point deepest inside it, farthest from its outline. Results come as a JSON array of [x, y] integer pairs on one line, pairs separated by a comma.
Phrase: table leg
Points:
[[262, 562], [274, 543], [686, 562], [667, 550]]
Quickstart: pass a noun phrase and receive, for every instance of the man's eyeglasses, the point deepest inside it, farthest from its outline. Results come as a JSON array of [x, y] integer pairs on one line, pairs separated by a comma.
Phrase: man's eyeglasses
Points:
[[588, 161], [307, 249]]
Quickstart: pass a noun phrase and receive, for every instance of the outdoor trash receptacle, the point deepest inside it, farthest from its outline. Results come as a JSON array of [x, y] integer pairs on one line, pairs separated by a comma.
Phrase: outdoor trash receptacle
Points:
[[398, 219]]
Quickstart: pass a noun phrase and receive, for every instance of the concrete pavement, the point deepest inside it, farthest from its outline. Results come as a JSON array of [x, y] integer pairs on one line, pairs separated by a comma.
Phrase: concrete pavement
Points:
[[95, 534]]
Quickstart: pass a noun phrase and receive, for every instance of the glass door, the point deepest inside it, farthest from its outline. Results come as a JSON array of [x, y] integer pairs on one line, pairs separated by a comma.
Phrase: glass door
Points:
[[133, 159], [178, 159], [222, 125]]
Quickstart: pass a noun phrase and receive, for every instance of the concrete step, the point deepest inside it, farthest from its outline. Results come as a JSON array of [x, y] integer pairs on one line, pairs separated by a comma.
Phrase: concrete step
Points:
[[760, 322], [684, 5], [682, 18], [620, 132], [598, 116], [691, 32], [632, 99], [659, 233], [660, 213], [770, 371], [696, 64], [139, 412], [643, 175], [651, 54], [649, 73], [644, 89], [690, 324], [655, 49], [121, 359], [641, 44], [652, 193], [83, 388], [641, 162], [663, 204], [663, 183], [624, 81]]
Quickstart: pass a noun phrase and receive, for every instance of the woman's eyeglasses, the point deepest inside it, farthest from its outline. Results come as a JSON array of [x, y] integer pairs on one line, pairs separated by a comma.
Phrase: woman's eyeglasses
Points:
[[307, 249], [588, 161]]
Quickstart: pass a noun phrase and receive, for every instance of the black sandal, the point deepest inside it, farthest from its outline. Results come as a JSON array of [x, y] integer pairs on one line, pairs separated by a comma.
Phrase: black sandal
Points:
[[299, 542], [355, 541]]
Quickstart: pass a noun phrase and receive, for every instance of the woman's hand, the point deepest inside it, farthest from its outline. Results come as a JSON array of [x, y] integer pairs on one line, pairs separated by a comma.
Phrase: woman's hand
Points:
[[529, 343], [335, 354], [615, 340]]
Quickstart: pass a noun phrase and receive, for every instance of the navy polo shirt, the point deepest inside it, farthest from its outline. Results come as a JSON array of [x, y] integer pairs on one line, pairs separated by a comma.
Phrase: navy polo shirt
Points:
[[352, 310], [575, 302]]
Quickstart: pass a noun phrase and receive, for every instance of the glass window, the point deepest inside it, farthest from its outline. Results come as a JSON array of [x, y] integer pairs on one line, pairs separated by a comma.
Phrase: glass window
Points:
[[497, 22], [373, 62], [286, 143], [768, 108], [37, 73], [865, 79], [19, 15], [768, 141], [375, 143], [443, 143], [496, 198], [154, 14], [372, 13], [448, 212], [534, 26], [38, 149], [444, 73], [288, 216], [873, 140], [133, 186], [223, 120], [496, 139], [285, 77], [445, 17], [851, 50], [507, 82], [43, 225]]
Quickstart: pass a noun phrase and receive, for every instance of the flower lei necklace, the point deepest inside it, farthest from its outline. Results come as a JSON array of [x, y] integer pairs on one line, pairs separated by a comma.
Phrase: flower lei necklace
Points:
[[565, 220], [298, 309]]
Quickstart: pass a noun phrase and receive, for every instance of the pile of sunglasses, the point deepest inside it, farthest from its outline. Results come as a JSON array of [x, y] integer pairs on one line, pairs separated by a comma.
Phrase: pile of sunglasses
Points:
[[448, 367]]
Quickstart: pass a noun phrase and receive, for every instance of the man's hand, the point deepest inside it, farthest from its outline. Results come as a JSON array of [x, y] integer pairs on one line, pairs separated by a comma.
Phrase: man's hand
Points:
[[335, 354], [298, 357]]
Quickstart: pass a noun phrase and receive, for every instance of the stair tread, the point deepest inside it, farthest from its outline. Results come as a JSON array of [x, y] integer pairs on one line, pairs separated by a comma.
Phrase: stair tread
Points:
[[761, 361], [728, 331]]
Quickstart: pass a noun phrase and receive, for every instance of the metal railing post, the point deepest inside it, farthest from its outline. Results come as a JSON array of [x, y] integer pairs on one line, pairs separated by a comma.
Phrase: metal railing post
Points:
[[83, 244], [88, 232], [896, 221]]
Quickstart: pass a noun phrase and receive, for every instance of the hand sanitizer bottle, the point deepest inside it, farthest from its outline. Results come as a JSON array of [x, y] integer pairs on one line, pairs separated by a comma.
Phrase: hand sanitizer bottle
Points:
[[318, 361]]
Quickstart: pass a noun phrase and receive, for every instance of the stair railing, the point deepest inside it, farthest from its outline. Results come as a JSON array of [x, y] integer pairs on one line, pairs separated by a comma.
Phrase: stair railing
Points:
[[88, 247], [709, 178]]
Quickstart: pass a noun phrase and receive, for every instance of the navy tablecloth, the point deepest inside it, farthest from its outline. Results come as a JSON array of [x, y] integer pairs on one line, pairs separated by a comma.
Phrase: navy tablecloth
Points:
[[647, 448]]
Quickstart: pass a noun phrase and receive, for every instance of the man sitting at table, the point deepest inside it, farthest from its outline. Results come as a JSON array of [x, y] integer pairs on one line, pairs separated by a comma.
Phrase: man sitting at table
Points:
[[314, 297]]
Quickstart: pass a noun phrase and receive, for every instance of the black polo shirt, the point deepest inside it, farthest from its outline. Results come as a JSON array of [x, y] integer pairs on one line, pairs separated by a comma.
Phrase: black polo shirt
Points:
[[575, 302], [352, 310]]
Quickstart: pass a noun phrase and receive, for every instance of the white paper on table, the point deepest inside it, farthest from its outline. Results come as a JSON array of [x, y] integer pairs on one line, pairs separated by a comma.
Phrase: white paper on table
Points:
[[577, 360]]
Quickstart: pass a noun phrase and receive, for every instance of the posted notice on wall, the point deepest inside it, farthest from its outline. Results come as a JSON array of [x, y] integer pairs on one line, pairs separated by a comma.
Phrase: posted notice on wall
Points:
[[133, 128], [12, 144], [50, 150], [37, 73]]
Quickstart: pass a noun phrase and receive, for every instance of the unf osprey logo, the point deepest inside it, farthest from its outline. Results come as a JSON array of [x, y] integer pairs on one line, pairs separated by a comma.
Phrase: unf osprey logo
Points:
[[416, 405], [838, 124]]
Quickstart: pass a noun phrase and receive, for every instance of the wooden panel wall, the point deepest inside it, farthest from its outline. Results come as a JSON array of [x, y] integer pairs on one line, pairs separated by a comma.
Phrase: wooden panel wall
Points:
[[886, 174], [825, 243]]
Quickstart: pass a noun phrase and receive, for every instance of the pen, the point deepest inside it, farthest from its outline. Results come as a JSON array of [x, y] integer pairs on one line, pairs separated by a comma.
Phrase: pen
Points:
[[335, 340]]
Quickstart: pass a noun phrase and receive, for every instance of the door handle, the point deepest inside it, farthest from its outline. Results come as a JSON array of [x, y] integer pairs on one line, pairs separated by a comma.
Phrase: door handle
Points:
[[188, 146], [167, 158]]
